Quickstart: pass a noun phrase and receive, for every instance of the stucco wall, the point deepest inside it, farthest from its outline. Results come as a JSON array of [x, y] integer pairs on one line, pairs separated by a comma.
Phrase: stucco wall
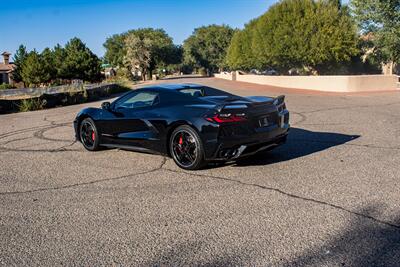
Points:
[[223, 75], [354, 83]]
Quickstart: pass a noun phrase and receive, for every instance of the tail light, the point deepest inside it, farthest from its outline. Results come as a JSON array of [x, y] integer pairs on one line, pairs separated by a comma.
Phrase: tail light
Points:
[[227, 117]]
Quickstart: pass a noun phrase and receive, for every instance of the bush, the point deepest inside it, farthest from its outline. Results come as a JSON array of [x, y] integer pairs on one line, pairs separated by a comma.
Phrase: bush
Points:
[[203, 72], [31, 104], [121, 87], [6, 86]]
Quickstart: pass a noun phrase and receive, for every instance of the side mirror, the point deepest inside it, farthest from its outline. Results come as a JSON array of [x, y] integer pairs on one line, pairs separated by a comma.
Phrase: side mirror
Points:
[[106, 105]]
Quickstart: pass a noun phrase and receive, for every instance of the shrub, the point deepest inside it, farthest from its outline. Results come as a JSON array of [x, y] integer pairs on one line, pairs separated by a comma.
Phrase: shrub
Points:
[[31, 104], [6, 86], [119, 88]]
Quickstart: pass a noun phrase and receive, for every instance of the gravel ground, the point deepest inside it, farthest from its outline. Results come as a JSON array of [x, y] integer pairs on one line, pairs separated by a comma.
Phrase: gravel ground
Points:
[[329, 197]]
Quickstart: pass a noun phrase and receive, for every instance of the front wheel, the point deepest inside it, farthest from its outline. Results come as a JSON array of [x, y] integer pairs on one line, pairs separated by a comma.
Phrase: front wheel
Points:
[[88, 135], [186, 148]]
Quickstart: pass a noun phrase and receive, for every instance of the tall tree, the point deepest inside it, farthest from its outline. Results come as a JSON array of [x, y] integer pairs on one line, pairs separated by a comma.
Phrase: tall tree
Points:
[[34, 70], [207, 46], [18, 59], [157, 45], [47, 56], [316, 35], [381, 20], [80, 62], [59, 56], [138, 54], [240, 54], [115, 53]]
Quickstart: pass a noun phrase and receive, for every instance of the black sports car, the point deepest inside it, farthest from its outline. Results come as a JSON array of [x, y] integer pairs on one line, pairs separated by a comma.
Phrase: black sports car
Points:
[[192, 123]]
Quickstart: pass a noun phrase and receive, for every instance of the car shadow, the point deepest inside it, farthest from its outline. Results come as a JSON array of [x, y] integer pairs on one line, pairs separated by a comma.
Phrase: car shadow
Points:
[[300, 143]]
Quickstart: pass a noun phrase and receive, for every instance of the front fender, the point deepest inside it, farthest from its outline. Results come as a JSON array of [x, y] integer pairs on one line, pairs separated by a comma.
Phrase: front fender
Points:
[[93, 113]]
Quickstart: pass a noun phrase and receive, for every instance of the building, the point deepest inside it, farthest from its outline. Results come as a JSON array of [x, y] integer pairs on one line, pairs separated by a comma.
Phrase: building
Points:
[[6, 69]]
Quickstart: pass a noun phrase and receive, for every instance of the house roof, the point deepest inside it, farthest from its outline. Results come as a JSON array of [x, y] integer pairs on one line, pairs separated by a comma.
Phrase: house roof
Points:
[[6, 67]]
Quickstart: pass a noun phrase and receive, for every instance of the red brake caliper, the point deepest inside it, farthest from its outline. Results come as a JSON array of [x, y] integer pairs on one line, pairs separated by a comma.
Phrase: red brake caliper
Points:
[[180, 140], [93, 136]]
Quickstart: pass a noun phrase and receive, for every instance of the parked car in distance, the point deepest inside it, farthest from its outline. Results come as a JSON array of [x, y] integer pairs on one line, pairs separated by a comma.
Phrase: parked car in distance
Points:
[[269, 72], [194, 124], [254, 71]]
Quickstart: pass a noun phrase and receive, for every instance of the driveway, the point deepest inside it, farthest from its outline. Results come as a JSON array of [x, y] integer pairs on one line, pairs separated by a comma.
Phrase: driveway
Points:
[[329, 197]]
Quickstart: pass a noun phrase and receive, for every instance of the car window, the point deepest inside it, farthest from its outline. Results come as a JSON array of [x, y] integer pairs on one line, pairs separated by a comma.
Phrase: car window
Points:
[[196, 92], [140, 100], [204, 91]]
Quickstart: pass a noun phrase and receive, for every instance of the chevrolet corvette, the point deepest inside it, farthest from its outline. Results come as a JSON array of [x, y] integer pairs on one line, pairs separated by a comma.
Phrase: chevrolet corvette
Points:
[[194, 124]]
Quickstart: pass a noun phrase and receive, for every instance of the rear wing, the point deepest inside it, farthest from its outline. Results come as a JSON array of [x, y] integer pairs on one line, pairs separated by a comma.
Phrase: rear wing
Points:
[[258, 101]]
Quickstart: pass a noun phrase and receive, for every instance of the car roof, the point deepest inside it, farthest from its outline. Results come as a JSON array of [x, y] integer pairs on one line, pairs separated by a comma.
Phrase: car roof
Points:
[[173, 86]]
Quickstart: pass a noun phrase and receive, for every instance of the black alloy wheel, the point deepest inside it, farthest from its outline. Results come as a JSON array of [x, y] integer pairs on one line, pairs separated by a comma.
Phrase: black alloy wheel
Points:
[[186, 148], [88, 134]]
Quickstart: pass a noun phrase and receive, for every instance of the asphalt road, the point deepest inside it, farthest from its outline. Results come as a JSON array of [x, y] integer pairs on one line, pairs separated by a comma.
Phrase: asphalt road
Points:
[[329, 197]]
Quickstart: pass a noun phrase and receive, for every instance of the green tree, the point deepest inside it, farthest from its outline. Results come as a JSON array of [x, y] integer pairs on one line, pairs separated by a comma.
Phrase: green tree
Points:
[[138, 54], [80, 62], [207, 47], [380, 19], [34, 70], [158, 50], [59, 56], [115, 53], [47, 56], [162, 51], [18, 59], [240, 54], [173, 61], [316, 35]]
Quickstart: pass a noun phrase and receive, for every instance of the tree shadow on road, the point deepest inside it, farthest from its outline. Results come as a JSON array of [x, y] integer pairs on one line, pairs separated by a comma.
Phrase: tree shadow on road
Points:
[[364, 243], [300, 143]]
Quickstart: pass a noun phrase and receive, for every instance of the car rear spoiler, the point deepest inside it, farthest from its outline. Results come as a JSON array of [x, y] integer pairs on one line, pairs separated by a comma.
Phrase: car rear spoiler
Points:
[[279, 100]]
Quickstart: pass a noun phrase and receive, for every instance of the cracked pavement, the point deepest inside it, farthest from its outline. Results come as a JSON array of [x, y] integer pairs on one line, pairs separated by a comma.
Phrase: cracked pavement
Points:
[[329, 197]]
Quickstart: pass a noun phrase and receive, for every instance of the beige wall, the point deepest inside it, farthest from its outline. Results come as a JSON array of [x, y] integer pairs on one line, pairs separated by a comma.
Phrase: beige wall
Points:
[[355, 83], [223, 75]]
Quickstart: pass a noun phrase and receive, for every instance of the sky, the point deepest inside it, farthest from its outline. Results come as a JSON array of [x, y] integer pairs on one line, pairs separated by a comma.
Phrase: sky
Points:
[[44, 23], [38, 24]]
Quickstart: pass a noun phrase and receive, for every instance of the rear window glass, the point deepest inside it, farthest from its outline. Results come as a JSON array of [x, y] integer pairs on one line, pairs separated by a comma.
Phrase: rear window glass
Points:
[[196, 92], [203, 91]]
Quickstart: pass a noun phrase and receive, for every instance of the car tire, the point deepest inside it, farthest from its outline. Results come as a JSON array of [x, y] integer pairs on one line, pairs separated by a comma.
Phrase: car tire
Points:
[[89, 135], [185, 141]]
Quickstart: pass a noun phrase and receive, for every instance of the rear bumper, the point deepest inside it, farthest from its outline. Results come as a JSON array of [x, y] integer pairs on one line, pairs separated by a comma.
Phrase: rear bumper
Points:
[[242, 146]]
